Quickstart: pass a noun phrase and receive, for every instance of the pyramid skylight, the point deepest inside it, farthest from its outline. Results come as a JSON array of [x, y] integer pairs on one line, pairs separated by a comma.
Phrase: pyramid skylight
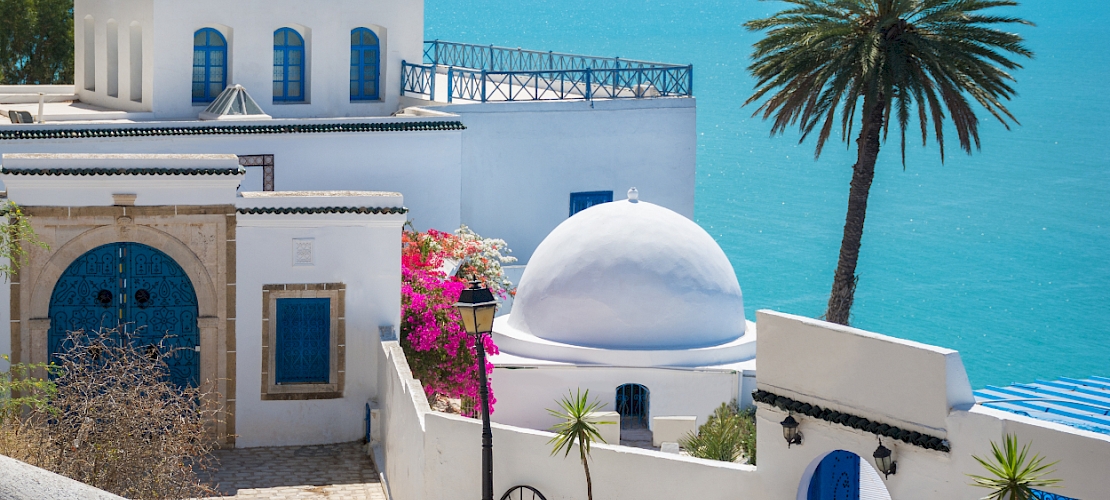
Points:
[[234, 103]]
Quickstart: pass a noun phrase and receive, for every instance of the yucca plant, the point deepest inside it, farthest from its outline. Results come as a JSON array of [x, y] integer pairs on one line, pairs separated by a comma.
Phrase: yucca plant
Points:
[[822, 61], [1012, 473], [577, 428]]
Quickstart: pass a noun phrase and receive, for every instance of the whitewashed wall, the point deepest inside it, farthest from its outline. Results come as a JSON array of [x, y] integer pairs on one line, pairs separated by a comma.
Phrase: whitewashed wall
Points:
[[910, 385], [248, 26], [524, 394], [360, 251], [422, 165], [432, 456], [521, 161]]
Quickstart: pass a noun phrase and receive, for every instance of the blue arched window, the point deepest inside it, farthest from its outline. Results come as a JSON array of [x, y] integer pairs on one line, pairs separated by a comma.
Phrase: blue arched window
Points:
[[365, 65], [209, 65], [288, 66]]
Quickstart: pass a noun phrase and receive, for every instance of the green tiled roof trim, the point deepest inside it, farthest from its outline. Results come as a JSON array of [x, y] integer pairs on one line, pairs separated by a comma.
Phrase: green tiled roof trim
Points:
[[848, 420], [326, 210], [123, 171], [14, 133]]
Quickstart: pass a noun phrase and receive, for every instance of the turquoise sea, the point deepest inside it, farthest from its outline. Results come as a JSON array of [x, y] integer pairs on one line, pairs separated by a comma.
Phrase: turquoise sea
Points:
[[1004, 255]]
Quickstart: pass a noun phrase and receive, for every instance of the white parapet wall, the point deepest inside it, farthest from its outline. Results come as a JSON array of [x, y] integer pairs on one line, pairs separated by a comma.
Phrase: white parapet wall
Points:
[[897, 383], [608, 425], [672, 429], [436, 456]]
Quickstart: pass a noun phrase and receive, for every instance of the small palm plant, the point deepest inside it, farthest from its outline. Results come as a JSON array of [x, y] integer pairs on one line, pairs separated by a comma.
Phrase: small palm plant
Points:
[[577, 428], [1012, 473], [726, 435]]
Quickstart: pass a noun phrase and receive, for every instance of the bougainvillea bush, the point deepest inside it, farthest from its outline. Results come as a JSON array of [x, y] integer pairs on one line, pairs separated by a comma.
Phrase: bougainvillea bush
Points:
[[435, 267]]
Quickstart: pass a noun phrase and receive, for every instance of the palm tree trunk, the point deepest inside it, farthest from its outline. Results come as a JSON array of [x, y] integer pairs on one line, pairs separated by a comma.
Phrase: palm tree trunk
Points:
[[589, 483], [863, 172]]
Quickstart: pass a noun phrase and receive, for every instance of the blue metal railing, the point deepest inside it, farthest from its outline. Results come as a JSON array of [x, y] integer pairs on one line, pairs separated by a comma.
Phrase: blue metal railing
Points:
[[489, 73]]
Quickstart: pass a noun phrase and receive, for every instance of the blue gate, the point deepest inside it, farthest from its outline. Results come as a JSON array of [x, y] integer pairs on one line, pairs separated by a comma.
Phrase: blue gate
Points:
[[132, 286], [836, 477], [632, 404]]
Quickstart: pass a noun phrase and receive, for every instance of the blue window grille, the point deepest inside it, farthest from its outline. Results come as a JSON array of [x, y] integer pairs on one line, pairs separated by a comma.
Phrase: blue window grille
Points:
[[303, 348], [582, 201], [633, 404], [209, 65], [288, 66], [365, 65]]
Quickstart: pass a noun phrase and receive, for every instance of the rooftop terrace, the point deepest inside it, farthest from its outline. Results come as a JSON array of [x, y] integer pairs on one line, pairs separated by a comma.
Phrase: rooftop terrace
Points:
[[458, 72]]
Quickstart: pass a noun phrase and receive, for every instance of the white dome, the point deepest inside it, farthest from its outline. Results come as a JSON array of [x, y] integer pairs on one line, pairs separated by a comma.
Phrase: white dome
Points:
[[629, 275]]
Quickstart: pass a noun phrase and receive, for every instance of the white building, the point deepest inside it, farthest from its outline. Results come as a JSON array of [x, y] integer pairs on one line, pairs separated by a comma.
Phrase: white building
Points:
[[265, 240], [503, 147]]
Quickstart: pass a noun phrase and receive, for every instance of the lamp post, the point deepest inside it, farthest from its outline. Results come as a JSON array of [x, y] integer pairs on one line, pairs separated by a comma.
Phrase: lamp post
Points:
[[477, 308]]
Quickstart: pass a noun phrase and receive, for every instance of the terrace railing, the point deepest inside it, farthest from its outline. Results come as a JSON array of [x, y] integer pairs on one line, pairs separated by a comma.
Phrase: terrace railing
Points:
[[488, 73]]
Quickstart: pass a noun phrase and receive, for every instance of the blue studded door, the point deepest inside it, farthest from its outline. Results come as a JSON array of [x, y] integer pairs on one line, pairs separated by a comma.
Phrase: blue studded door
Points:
[[134, 286], [836, 477]]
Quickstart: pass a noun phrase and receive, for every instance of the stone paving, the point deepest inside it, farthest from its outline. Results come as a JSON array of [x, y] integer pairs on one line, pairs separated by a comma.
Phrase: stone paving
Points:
[[335, 472]]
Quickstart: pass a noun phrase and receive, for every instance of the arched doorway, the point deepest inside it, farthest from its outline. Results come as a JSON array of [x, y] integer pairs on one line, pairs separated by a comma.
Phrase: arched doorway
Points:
[[633, 404], [132, 286], [842, 475]]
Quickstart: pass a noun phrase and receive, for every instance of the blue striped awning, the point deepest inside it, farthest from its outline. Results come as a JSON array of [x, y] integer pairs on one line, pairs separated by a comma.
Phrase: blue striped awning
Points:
[[1084, 404]]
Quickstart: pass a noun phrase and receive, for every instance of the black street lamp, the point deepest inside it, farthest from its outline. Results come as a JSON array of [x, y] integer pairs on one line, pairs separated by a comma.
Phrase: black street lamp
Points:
[[477, 307]]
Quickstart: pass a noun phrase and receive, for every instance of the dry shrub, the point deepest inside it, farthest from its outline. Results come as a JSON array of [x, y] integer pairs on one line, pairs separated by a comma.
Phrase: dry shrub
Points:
[[118, 423]]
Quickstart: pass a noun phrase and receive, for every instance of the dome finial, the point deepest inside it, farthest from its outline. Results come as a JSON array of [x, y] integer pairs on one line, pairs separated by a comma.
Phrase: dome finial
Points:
[[633, 195]]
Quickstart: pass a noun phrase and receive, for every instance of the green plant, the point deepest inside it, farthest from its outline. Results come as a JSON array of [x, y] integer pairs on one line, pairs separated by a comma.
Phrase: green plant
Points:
[[821, 57], [21, 390], [726, 435], [1012, 474], [577, 428], [17, 232]]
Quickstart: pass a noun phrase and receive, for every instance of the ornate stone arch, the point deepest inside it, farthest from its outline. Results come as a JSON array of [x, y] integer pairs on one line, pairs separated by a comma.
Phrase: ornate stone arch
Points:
[[43, 286], [200, 239]]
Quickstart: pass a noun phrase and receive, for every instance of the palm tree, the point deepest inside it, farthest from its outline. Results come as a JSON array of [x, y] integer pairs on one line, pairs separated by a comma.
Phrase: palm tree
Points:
[[906, 57], [1012, 475], [577, 427]]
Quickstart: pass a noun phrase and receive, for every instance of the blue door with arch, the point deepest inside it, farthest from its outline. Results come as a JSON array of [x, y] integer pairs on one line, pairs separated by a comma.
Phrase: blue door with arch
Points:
[[136, 288], [632, 405], [836, 477]]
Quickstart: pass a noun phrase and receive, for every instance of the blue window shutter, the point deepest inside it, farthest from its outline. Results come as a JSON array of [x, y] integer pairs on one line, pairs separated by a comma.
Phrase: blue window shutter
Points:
[[303, 350], [582, 201]]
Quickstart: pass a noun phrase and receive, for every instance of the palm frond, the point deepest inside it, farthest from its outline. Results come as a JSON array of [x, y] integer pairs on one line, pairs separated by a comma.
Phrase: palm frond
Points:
[[822, 58]]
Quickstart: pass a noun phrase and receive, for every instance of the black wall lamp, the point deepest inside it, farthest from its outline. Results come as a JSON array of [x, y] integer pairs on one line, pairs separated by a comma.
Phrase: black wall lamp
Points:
[[790, 431], [884, 461]]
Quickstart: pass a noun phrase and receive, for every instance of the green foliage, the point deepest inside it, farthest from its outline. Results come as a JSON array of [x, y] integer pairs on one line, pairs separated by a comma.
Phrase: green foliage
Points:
[[823, 56], [24, 388], [36, 42], [13, 237], [1012, 474], [577, 427], [727, 435]]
